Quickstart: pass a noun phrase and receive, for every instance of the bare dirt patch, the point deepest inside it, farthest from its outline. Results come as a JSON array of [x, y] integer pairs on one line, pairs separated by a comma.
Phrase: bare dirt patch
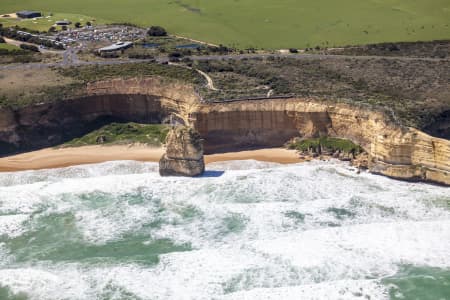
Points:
[[18, 82]]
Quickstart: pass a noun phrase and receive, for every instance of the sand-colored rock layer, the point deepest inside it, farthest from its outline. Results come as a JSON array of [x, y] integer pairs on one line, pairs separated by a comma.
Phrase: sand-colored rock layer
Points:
[[394, 151], [184, 153]]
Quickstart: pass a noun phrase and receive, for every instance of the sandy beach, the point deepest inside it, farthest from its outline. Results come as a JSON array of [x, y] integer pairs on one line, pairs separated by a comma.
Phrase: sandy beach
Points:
[[64, 157]]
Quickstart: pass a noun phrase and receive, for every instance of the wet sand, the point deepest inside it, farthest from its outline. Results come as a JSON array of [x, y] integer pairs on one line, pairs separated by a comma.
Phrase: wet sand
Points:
[[64, 157]]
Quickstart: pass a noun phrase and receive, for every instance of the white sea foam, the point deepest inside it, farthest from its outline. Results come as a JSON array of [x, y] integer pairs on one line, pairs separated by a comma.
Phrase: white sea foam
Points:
[[308, 231], [249, 164], [80, 171], [194, 276], [12, 225], [343, 290]]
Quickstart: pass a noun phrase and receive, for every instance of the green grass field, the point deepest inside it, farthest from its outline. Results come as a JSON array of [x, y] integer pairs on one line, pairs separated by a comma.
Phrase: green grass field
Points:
[[269, 23], [44, 23], [8, 47]]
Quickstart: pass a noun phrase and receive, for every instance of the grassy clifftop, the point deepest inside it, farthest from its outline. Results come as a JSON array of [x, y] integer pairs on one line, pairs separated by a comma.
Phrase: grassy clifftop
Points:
[[22, 87], [267, 23]]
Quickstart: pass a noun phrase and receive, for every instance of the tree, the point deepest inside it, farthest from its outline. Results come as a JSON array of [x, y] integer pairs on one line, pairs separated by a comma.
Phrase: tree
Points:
[[175, 55], [77, 25], [157, 31], [29, 47]]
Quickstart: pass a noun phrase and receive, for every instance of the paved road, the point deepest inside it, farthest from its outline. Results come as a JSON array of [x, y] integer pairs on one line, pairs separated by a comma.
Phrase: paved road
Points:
[[70, 59]]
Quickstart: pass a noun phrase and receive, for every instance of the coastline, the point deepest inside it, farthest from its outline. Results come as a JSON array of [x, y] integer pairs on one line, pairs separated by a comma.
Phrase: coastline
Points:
[[50, 158]]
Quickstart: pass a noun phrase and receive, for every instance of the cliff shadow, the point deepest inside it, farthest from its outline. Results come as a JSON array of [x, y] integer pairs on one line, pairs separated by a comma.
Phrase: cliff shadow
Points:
[[212, 173], [52, 124]]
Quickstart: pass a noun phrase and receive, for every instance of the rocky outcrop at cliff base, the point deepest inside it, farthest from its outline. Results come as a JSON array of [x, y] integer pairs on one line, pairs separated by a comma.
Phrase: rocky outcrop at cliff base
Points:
[[184, 153]]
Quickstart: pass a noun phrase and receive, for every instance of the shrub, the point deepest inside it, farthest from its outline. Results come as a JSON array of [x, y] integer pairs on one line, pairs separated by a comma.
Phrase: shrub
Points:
[[293, 50], [333, 144], [141, 55], [2, 40], [157, 31], [174, 59], [175, 55], [124, 24], [77, 25], [29, 47], [221, 49], [186, 60]]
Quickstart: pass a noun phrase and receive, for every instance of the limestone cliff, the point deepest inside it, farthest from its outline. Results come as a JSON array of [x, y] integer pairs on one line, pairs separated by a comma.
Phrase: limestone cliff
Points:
[[177, 98], [398, 152], [184, 153], [143, 100], [393, 150]]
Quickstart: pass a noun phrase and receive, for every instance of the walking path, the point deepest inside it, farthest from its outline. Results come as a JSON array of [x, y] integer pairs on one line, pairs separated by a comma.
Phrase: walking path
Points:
[[210, 83]]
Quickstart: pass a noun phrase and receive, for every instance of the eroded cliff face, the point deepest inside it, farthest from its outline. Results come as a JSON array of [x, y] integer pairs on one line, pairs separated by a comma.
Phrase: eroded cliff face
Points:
[[147, 100], [184, 153], [176, 98], [394, 151], [50, 124]]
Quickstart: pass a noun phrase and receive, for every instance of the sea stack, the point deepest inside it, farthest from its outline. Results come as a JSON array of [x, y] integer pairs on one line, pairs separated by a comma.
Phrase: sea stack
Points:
[[184, 153]]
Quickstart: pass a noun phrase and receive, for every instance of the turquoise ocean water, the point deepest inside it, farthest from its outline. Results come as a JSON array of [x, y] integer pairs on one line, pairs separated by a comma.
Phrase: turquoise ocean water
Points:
[[245, 230]]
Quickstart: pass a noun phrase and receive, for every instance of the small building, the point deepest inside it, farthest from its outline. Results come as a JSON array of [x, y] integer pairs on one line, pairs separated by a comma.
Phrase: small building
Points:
[[116, 47], [63, 23], [28, 14]]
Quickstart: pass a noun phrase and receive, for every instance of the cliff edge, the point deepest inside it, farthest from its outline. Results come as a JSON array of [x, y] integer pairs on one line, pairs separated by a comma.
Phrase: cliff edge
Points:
[[394, 150]]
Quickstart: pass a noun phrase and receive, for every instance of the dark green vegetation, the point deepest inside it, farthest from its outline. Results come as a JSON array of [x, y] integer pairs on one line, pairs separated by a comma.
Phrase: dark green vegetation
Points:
[[127, 133], [268, 23], [326, 144], [412, 92], [157, 31], [32, 48], [24, 35], [433, 49]]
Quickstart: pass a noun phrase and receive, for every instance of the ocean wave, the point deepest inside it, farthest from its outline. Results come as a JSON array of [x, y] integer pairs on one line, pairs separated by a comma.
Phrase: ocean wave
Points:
[[120, 231]]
